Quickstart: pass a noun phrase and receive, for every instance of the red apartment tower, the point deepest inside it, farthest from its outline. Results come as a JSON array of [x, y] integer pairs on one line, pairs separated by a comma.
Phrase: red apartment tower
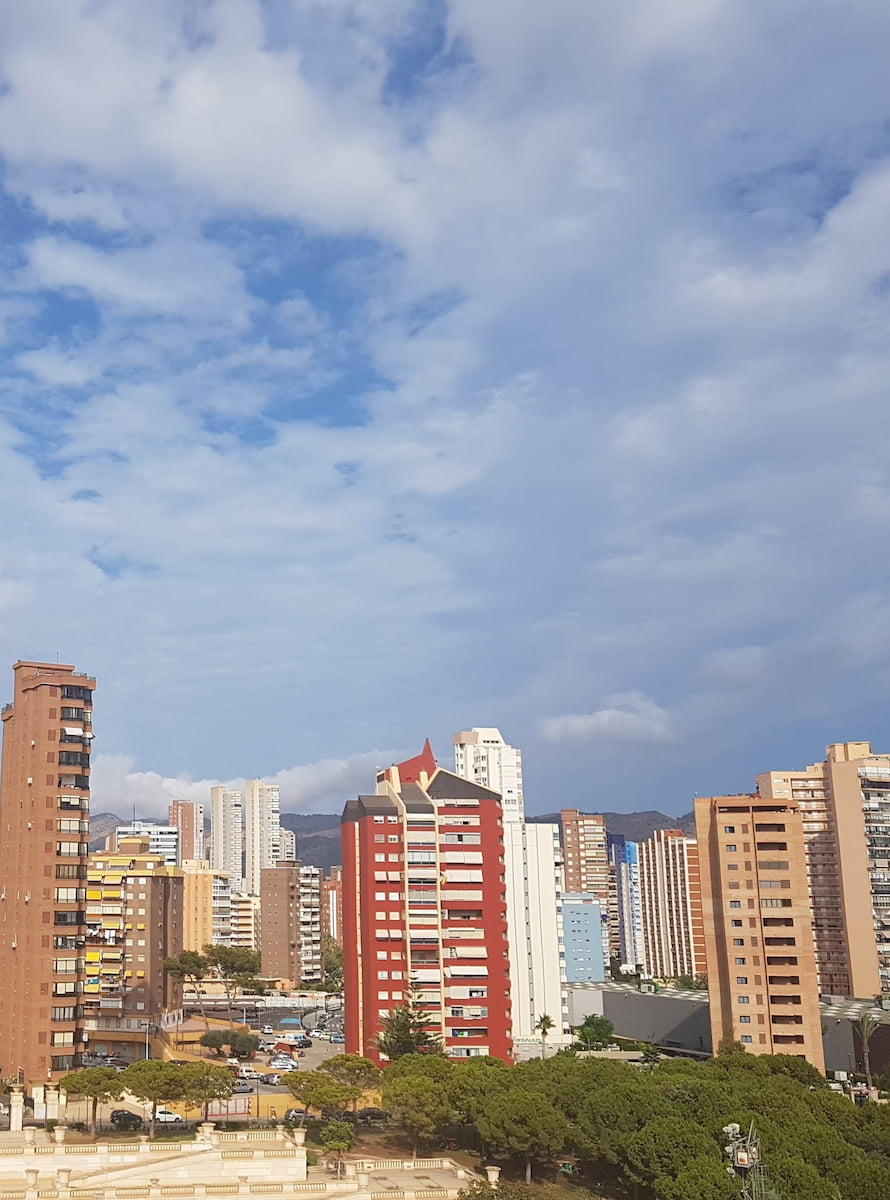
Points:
[[44, 843], [424, 910]]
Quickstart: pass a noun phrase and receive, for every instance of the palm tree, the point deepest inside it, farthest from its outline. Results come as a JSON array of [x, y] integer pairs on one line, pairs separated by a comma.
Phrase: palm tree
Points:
[[867, 1024], [544, 1025]]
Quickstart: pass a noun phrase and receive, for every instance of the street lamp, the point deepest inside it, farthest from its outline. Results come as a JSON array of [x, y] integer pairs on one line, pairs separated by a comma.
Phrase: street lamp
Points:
[[146, 1025]]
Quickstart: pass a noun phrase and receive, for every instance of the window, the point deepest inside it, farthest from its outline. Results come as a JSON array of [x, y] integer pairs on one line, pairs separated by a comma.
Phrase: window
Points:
[[380, 895], [744, 1020], [383, 974], [773, 865], [735, 904], [731, 848], [383, 995], [378, 820], [740, 962], [743, 979], [379, 837], [738, 941], [775, 903], [744, 999], [736, 924], [732, 866], [380, 858], [729, 829], [381, 954], [746, 1037]]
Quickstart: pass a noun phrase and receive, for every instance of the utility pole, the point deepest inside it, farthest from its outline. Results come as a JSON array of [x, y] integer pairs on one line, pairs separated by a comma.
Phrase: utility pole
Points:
[[743, 1152]]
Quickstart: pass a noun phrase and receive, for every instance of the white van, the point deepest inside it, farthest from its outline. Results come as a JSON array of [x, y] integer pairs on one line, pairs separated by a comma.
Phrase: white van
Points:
[[248, 1073]]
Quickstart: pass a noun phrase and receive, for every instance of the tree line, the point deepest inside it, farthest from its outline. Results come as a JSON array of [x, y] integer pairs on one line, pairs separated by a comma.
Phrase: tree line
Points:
[[655, 1130]]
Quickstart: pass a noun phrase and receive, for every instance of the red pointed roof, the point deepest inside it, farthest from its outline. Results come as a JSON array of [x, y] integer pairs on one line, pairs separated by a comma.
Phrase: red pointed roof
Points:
[[410, 769]]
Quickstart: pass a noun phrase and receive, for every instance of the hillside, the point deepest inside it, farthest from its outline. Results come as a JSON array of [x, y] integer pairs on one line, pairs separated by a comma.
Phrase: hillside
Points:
[[318, 834]]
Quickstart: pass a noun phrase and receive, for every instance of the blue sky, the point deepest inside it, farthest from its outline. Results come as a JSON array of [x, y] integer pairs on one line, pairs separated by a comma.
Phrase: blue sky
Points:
[[377, 368]]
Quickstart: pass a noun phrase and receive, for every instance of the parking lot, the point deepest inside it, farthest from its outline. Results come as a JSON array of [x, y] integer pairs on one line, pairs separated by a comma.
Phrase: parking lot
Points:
[[264, 1100]]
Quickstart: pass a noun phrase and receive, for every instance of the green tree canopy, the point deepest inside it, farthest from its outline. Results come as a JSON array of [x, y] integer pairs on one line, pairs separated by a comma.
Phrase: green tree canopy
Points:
[[154, 1082], [406, 1031], [191, 967], [524, 1125], [235, 968], [594, 1033], [215, 1039], [336, 1137], [98, 1084], [204, 1082], [418, 1103]]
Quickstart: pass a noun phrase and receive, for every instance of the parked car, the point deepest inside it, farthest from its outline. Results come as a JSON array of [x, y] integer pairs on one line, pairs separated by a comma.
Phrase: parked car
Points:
[[372, 1116], [242, 1085], [123, 1119], [337, 1039], [272, 1079], [165, 1116], [268, 1029], [295, 1114], [303, 1044], [248, 1073]]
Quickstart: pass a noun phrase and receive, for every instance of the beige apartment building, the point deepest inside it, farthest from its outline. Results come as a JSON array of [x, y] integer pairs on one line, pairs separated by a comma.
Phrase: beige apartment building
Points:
[[671, 905], [44, 843], [585, 854], [134, 917], [761, 964], [845, 813], [207, 918]]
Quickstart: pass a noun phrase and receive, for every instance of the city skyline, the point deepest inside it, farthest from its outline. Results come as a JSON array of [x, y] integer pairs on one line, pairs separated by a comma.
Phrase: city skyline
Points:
[[542, 360]]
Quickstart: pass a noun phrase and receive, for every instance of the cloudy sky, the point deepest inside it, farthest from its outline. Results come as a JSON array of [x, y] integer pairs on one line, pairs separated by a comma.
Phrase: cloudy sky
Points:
[[378, 368]]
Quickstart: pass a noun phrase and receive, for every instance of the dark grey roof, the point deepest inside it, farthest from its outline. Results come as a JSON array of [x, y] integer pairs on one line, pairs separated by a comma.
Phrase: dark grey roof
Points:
[[445, 785], [415, 798], [362, 805]]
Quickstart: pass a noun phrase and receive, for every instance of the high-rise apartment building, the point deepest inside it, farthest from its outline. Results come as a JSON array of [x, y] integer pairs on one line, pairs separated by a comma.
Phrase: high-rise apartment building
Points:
[[290, 923], [845, 810], [534, 874], [227, 833], [262, 831], [483, 757], [134, 913], [671, 904], [287, 848], [534, 878], [188, 818], [762, 979], [424, 908], [586, 862], [332, 905], [44, 843], [625, 908], [162, 839], [207, 906]]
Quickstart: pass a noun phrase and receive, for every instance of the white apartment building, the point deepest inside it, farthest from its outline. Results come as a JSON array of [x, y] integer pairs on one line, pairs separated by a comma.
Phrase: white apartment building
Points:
[[288, 847], [482, 756], [227, 833], [162, 839], [533, 870], [533, 865], [262, 831]]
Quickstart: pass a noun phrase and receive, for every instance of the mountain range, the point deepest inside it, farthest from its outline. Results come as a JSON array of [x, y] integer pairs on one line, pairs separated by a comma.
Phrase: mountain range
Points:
[[318, 834]]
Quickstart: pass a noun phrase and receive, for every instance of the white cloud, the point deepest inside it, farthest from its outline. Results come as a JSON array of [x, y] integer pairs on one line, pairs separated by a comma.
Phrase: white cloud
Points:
[[631, 717], [407, 386], [315, 787]]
